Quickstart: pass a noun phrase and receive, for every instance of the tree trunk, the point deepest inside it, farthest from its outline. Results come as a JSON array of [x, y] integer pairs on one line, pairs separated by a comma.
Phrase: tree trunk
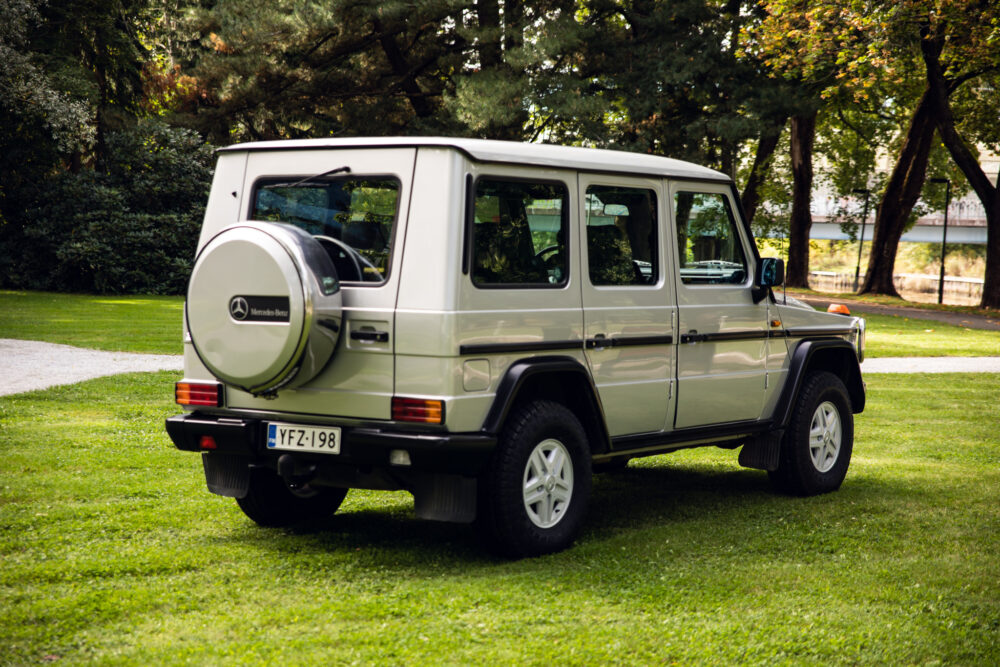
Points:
[[490, 35], [988, 193], [500, 31], [991, 284], [403, 69], [901, 193], [803, 131], [768, 143]]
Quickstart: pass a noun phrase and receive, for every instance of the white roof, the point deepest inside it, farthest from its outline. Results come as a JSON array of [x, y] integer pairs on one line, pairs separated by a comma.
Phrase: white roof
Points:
[[509, 152]]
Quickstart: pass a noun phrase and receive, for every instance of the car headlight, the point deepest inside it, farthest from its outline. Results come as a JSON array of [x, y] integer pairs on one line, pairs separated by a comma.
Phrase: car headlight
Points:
[[858, 337]]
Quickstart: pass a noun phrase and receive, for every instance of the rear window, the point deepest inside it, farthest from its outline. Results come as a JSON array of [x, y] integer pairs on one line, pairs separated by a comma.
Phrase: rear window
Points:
[[352, 218]]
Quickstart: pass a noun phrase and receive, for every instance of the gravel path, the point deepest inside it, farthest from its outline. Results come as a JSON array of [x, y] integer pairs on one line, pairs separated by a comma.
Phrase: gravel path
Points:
[[30, 365], [932, 365]]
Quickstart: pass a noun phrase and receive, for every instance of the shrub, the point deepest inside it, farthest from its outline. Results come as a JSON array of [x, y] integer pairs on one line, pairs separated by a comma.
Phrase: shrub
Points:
[[129, 228]]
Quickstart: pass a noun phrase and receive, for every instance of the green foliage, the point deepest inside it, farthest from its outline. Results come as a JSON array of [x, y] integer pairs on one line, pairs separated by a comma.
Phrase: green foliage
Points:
[[294, 69], [132, 229], [40, 122], [114, 552], [697, 79]]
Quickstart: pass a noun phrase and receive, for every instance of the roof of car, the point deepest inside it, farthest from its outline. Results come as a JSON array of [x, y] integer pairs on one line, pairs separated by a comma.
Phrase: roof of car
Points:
[[510, 152]]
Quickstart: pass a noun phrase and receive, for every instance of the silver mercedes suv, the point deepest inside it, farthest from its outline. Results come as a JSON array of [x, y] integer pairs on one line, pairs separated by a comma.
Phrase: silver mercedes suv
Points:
[[485, 324]]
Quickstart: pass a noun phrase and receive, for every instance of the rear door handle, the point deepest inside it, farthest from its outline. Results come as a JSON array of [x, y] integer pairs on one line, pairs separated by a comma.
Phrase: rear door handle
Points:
[[368, 336]]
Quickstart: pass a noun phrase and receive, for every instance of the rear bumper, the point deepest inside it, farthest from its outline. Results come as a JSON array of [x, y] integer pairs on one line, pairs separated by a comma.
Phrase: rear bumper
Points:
[[450, 453]]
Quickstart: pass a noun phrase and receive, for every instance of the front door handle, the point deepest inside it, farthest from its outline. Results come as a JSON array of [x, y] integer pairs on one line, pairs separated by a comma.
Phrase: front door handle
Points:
[[693, 337], [599, 341]]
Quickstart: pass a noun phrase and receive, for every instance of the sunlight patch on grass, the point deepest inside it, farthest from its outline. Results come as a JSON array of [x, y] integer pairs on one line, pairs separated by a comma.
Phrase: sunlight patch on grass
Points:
[[119, 324]]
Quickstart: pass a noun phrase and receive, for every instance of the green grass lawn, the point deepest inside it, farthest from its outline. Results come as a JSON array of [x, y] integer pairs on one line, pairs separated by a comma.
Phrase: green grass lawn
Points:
[[896, 336], [116, 323], [113, 552]]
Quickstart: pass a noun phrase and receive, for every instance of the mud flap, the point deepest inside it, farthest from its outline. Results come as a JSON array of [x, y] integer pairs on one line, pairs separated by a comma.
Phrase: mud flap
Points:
[[445, 498], [763, 451], [227, 474]]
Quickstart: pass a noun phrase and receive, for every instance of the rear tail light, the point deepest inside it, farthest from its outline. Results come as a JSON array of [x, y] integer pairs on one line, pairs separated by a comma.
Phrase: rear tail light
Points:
[[191, 393], [418, 410]]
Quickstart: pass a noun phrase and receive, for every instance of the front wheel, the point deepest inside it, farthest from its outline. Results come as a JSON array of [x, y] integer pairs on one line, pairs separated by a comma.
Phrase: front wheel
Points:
[[817, 446], [271, 502], [534, 496]]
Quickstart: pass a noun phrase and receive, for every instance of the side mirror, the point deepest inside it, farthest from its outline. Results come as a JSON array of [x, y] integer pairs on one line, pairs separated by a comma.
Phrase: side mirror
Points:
[[770, 273]]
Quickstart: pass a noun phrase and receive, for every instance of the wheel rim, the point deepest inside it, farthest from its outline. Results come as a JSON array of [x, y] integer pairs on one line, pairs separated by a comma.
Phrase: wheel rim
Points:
[[548, 483], [825, 436]]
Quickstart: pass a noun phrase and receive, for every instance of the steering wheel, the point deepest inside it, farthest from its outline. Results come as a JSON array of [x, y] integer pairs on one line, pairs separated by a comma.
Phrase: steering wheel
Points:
[[341, 251], [552, 250], [546, 250]]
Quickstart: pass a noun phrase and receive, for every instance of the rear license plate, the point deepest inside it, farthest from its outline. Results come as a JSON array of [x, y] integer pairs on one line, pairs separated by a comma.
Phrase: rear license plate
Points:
[[299, 438]]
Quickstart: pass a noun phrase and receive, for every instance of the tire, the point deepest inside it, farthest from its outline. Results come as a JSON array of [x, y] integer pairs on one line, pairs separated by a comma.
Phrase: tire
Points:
[[816, 449], [534, 495], [271, 503]]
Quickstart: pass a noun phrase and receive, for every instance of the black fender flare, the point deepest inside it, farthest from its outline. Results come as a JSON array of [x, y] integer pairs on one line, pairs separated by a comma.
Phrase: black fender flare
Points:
[[519, 375], [835, 355]]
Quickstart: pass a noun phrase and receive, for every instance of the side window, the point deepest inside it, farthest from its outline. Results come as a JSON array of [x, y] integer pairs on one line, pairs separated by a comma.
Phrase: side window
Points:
[[707, 240], [519, 233], [621, 235]]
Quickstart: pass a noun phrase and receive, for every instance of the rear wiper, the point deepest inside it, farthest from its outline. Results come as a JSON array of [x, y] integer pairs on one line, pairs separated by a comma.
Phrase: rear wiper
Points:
[[338, 170]]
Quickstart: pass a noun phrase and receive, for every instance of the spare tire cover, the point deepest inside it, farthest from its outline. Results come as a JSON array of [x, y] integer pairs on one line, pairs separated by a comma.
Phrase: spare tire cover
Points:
[[264, 306]]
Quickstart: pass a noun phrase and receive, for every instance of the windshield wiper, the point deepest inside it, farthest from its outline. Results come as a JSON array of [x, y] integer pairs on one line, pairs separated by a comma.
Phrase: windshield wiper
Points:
[[339, 170]]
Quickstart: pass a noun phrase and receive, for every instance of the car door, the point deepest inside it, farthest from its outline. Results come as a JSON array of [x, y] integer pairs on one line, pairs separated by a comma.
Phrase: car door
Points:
[[723, 334], [629, 307], [355, 202]]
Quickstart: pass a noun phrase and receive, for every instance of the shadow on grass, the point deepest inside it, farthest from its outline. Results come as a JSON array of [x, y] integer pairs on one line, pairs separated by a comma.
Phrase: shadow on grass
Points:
[[704, 508]]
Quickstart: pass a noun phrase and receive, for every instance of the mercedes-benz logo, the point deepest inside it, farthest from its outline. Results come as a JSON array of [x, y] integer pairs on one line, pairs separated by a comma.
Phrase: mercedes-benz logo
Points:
[[239, 308]]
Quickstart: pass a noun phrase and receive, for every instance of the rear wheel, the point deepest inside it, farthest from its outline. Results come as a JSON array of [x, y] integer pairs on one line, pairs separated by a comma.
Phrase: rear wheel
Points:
[[534, 495], [271, 502], [816, 450]]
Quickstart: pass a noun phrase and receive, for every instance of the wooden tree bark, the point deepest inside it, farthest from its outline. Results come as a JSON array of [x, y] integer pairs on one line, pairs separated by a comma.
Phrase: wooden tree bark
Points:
[[988, 193], [406, 72], [768, 143], [991, 284], [500, 31], [803, 132], [901, 193]]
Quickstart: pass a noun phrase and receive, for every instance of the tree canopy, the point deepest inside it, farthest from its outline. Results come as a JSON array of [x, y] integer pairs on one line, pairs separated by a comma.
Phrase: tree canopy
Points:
[[717, 82]]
